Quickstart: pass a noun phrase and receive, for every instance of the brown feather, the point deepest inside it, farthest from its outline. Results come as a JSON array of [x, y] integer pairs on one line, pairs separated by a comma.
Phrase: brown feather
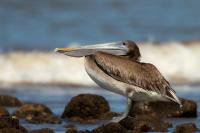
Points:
[[143, 75]]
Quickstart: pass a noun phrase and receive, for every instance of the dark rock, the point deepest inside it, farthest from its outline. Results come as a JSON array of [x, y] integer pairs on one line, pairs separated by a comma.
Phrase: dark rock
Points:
[[165, 109], [37, 113], [10, 130], [86, 105], [9, 101], [186, 128], [189, 108], [85, 131], [33, 110], [110, 128], [108, 115], [87, 108], [69, 126], [8, 124], [3, 112], [44, 119], [44, 130], [145, 123], [71, 130]]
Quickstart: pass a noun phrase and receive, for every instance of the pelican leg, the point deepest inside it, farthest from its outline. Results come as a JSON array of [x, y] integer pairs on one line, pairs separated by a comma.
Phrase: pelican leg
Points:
[[125, 114]]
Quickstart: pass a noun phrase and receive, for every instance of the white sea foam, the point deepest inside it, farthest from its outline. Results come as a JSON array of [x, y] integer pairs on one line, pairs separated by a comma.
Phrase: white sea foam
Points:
[[178, 62]]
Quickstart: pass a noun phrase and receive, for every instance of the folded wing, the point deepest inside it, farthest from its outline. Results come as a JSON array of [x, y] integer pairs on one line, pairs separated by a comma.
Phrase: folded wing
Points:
[[143, 75]]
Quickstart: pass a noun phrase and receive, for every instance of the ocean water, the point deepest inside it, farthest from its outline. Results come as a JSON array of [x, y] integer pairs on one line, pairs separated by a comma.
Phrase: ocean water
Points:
[[46, 24], [57, 97]]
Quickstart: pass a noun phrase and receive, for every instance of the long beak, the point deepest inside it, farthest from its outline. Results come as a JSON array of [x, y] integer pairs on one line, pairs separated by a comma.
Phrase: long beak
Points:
[[115, 48]]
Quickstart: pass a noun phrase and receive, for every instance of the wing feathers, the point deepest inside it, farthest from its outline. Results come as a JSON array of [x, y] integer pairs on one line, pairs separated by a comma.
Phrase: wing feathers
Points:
[[143, 75]]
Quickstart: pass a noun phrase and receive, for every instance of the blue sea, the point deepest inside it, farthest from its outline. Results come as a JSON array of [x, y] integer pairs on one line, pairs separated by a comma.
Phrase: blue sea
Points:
[[46, 24]]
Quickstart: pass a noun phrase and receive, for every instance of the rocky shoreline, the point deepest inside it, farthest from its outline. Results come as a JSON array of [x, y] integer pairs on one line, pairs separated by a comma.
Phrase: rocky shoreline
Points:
[[90, 108]]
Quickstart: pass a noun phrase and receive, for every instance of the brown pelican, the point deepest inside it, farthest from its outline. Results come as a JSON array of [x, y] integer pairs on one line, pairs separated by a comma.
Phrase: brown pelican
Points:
[[117, 68]]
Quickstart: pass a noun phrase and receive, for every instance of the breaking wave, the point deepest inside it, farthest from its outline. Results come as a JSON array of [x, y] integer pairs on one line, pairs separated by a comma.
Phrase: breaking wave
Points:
[[178, 61]]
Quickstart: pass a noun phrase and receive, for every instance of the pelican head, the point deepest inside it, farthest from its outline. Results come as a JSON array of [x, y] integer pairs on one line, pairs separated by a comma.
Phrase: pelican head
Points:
[[126, 48]]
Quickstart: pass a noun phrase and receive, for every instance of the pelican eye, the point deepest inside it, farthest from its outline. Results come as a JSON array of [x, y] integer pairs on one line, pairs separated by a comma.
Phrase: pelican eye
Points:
[[124, 43]]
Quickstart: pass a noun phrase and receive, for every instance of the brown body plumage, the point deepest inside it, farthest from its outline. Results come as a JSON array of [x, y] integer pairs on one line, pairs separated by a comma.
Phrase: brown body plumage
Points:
[[117, 67], [143, 75]]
